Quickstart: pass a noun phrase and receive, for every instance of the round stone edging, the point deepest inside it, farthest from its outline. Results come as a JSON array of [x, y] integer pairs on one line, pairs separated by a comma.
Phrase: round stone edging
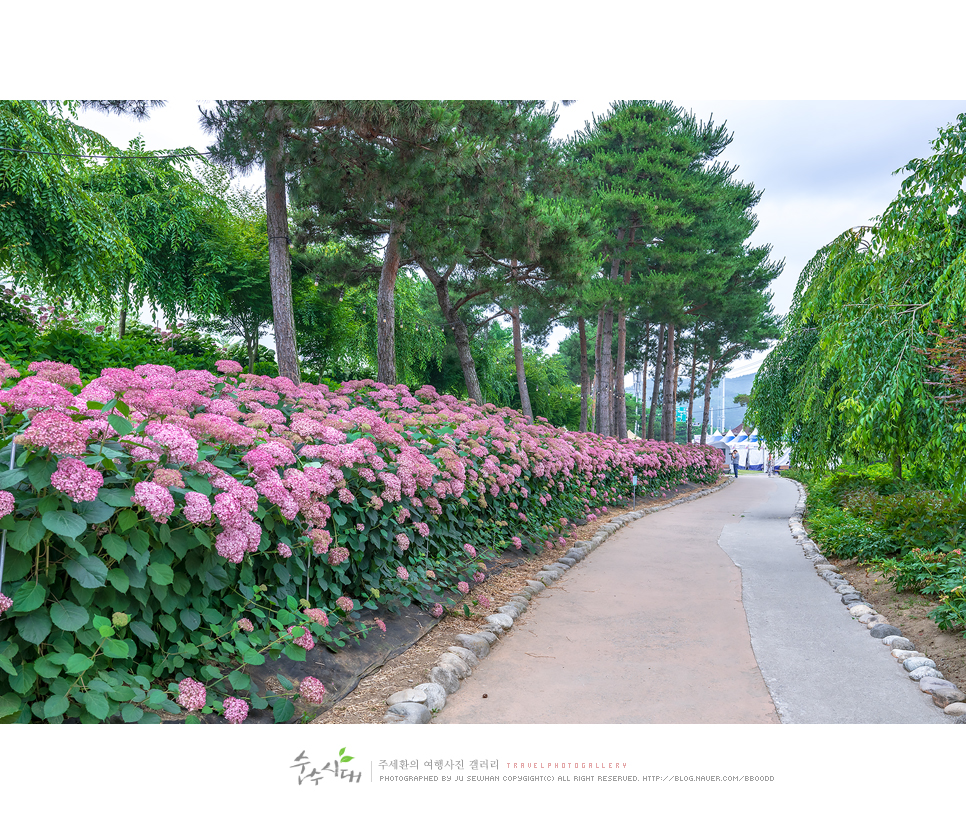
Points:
[[921, 669], [420, 704]]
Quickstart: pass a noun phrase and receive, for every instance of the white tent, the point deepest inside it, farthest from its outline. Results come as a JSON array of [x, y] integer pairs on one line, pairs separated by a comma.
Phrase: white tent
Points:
[[753, 453]]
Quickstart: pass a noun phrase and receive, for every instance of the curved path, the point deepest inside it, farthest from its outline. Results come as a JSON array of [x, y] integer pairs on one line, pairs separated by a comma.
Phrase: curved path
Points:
[[707, 612]]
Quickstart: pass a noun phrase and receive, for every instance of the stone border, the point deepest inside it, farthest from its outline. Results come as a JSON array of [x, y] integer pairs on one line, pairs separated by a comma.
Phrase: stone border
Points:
[[419, 704], [921, 669]]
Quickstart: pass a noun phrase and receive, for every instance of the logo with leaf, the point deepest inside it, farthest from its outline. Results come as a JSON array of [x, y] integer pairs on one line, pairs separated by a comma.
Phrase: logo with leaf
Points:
[[343, 758]]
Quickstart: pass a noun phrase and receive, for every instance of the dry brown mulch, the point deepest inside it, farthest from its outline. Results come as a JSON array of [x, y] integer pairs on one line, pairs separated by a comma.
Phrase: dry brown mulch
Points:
[[366, 704]]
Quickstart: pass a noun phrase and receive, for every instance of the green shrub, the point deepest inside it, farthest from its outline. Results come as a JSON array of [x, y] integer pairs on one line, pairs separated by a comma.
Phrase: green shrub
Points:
[[841, 534]]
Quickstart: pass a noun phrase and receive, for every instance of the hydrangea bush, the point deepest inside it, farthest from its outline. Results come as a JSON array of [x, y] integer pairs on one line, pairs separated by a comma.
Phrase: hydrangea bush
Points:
[[164, 528]]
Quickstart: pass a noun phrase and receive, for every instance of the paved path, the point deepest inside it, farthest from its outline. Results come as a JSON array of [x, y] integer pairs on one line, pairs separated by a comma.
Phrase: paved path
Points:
[[707, 612]]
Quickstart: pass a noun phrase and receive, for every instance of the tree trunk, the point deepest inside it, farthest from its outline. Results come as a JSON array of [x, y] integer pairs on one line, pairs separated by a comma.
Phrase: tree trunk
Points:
[[467, 364], [600, 330], [521, 371], [606, 405], [386, 309], [707, 402], [620, 393], [584, 379], [667, 410], [647, 350], [125, 301], [658, 364], [460, 334], [694, 370], [280, 267], [620, 400]]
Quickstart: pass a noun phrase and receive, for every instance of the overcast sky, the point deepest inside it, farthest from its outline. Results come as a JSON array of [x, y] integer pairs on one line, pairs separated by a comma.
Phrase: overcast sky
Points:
[[824, 166]]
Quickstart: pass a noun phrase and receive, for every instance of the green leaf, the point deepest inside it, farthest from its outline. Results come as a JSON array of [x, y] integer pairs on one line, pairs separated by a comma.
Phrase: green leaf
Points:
[[190, 618], [89, 571], [97, 705], [198, 484], [252, 657], [126, 519], [67, 616], [34, 627], [26, 534], [29, 597], [202, 537], [39, 471], [115, 546], [283, 708], [119, 580], [17, 565], [144, 633], [95, 512], [156, 699], [160, 574], [294, 652], [116, 649], [56, 705], [10, 704], [122, 426], [239, 681], [116, 496], [63, 523], [78, 664], [10, 478], [122, 694], [211, 673], [131, 713], [7, 665], [140, 540]]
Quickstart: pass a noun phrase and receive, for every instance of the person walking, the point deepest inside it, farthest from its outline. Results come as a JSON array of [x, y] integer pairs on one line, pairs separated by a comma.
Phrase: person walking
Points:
[[771, 465], [734, 461]]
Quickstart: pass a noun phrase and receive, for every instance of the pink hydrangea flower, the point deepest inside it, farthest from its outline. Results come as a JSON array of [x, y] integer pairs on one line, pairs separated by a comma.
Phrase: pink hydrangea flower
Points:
[[485, 602], [166, 477], [380, 625], [463, 587], [57, 431], [245, 624], [403, 541], [60, 373], [75, 479], [197, 508], [284, 550], [402, 573], [229, 367], [317, 615], [236, 710], [157, 500], [312, 690], [345, 604], [469, 549], [430, 574], [305, 640], [338, 555], [479, 576], [191, 694], [6, 503], [436, 610], [517, 542]]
